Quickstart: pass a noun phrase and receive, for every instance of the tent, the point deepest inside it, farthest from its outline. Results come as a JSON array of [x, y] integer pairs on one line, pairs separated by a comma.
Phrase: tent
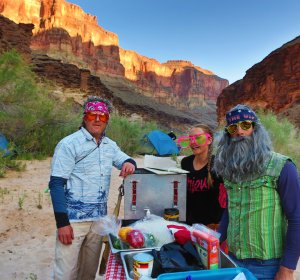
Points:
[[4, 146], [161, 142]]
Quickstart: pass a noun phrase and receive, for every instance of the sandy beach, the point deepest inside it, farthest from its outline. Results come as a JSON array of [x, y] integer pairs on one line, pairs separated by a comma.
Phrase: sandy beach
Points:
[[27, 229]]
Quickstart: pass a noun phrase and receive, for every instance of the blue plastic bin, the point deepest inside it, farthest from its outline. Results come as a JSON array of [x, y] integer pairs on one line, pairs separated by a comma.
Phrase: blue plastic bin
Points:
[[216, 274]]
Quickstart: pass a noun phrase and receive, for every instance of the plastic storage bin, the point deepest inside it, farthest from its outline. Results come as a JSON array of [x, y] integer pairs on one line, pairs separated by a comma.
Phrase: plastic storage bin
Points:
[[217, 274]]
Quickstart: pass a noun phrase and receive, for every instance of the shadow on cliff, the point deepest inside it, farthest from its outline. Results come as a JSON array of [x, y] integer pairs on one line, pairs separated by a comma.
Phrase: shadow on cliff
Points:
[[126, 101], [164, 99], [57, 43]]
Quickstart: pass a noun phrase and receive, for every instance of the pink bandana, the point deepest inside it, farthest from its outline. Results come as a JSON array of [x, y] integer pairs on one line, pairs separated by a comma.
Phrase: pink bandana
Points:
[[96, 106]]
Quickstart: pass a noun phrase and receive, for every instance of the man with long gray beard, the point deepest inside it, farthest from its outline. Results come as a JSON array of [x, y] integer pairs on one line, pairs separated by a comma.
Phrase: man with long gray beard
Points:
[[262, 221]]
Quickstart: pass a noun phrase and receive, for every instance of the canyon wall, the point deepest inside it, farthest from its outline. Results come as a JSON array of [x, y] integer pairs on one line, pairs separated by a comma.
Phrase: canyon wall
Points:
[[177, 83], [80, 82], [273, 84], [15, 36], [64, 31]]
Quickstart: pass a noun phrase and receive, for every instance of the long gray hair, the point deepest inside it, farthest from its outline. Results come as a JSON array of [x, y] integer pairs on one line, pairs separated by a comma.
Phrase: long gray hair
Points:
[[243, 158]]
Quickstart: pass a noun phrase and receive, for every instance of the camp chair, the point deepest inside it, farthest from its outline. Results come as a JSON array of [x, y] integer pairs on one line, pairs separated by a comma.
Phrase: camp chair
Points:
[[105, 254]]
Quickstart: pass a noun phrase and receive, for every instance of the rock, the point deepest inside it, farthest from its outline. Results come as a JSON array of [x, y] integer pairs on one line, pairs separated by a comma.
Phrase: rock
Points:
[[78, 39], [126, 98], [273, 83], [15, 36]]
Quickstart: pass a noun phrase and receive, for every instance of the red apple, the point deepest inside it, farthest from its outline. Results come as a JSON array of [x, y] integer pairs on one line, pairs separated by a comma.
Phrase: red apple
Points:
[[135, 238]]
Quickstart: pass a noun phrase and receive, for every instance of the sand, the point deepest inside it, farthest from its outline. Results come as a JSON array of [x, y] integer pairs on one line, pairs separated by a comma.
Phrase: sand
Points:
[[27, 228]]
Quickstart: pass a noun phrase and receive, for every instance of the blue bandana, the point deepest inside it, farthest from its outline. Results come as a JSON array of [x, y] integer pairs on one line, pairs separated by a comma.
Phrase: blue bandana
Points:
[[239, 115]]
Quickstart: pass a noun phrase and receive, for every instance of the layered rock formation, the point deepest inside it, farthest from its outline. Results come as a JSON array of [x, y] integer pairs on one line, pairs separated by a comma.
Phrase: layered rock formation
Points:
[[62, 30], [15, 36], [177, 83], [48, 14], [81, 82], [70, 76], [272, 84]]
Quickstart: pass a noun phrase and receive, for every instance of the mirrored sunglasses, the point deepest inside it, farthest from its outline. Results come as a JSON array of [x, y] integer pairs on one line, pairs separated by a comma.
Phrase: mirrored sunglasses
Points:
[[245, 125], [90, 116], [199, 139]]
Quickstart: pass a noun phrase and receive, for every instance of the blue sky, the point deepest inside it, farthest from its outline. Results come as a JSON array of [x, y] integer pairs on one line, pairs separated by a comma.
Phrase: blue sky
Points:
[[226, 37]]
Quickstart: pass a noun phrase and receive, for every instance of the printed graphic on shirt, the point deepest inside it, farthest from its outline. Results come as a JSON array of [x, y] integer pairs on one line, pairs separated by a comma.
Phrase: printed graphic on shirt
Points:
[[78, 210], [196, 185]]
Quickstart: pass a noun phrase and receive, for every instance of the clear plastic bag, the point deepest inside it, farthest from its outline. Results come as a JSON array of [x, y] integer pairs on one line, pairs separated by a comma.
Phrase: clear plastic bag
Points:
[[106, 225], [157, 227], [206, 229]]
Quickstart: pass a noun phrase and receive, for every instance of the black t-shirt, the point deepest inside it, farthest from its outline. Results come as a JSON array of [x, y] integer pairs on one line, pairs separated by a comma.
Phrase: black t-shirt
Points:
[[204, 204]]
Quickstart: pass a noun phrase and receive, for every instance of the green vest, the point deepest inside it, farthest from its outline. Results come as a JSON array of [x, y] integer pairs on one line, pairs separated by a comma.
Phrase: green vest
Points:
[[257, 225]]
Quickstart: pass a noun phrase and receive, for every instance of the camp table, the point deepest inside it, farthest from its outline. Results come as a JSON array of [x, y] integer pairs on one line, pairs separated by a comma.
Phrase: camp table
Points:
[[146, 190], [121, 271]]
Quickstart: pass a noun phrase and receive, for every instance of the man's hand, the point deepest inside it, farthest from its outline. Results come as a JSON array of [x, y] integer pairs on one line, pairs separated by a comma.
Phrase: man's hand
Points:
[[284, 273], [65, 235], [127, 169]]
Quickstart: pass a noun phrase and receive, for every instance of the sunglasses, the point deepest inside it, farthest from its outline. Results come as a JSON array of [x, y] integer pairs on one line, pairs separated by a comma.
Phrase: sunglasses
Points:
[[90, 116], [199, 139], [245, 125]]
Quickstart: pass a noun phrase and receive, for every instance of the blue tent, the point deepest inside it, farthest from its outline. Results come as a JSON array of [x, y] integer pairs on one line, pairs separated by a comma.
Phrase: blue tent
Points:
[[4, 145], [162, 143]]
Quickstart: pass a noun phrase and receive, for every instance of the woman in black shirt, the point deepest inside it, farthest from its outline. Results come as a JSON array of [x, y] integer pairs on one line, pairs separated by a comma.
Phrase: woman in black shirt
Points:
[[206, 195]]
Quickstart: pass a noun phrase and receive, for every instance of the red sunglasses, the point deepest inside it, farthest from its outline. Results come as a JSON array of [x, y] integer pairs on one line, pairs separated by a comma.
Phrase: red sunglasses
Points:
[[91, 116]]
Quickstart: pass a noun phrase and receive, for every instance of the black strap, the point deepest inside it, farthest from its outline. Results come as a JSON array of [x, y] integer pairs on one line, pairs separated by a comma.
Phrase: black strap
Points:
[[87, 154]]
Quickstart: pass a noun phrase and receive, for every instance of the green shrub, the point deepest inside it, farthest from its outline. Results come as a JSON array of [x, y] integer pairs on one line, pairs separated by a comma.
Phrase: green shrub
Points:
[[7, 163], [30, 117], [284, 135], [128, 134]]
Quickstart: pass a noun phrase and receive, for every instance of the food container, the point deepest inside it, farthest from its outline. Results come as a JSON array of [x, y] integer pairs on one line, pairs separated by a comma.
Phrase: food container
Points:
[[207, 246], [112, 239], [171, 214], [127, 261], [142, 264]]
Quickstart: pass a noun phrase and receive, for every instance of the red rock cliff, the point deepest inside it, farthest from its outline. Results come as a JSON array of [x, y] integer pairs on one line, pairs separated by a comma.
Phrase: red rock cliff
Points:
[[272, 84], [15, 36], [81, 82], [63, 30], [178, 83]]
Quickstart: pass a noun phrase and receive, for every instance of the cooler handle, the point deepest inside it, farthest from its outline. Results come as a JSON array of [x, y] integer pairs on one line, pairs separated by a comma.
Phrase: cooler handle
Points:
[[175, 194], [133, 201]]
